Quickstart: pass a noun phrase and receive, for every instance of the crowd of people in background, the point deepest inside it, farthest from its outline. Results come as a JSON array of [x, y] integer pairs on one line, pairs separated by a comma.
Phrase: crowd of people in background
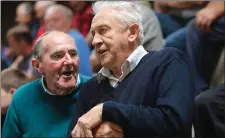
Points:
[[160, 74]]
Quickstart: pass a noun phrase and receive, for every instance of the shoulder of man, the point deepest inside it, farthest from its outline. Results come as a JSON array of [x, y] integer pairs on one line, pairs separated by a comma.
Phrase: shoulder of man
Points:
[[27, 89], [84, 78], [168, 53]]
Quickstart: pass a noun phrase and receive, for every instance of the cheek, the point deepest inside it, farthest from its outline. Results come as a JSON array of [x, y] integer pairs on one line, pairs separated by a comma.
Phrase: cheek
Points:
[[52, 67], [77, 62]]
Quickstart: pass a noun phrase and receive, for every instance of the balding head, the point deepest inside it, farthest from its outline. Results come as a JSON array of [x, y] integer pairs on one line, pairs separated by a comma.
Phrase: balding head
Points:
[[41, 43], [40, 8], [58, 17]]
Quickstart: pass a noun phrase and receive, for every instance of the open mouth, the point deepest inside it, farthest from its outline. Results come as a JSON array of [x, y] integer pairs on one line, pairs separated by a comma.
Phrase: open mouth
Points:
[[101, 52], [67, 74]]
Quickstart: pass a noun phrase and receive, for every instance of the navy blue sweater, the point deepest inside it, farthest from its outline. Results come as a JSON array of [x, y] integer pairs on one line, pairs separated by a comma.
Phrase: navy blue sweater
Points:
[[155, 99]]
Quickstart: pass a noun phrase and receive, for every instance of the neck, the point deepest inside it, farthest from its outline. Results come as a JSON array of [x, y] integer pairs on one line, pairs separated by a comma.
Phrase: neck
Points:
[[55, 89], [117, 72]]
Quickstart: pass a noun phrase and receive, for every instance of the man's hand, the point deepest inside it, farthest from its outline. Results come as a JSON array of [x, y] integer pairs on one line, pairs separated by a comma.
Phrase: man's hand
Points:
[[108, 129], [205, 18], [87, 122]]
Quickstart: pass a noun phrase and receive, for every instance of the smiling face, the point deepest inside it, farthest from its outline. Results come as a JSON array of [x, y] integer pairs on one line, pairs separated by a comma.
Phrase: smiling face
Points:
[[59, 63], [111, 39]]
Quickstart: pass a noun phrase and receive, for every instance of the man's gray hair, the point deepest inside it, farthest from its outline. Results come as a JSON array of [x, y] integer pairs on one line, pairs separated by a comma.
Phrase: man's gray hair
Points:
[[63, 9], [128, 12], [39, 45], [26, 7]]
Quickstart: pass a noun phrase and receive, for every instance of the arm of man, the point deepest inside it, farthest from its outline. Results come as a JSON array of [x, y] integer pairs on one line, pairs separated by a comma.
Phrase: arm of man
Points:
[[165, 6], [206, 16], [184, 4], [172, 115], [11, 127]]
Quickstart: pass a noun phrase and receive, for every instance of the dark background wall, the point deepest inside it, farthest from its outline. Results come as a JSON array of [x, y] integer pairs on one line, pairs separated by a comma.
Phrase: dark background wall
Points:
[[8, 13]]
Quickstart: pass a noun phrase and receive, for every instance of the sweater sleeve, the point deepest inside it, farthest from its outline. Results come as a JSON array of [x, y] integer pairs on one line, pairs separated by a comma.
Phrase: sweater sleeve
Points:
[[172, 114], [11, 127], [81, 107]]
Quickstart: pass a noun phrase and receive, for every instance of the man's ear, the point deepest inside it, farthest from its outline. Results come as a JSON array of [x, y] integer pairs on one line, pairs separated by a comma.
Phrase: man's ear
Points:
[[37, 65], [133, 32]]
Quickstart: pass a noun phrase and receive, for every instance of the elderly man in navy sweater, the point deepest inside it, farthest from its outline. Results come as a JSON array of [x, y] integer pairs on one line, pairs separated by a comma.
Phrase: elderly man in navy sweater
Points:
[[145, 93]]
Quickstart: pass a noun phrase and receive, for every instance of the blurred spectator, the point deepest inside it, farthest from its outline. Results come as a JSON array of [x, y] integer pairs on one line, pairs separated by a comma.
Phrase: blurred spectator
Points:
[[25, 15], [209, 113], [82, 16], [19, 43], [153, 39], [11, 79], [174, 15], [205, 41], [40, 8], [44, 107], [59, 17]]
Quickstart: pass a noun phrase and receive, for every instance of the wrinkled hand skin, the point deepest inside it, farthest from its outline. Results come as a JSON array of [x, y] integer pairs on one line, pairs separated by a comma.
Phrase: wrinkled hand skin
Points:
[[88, 121], [108, 129]]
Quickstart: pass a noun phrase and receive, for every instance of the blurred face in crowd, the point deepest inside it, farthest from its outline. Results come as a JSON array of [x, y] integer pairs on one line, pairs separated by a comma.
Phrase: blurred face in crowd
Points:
[[39, 10], [59, 63], [21, 17], [111, 40], [55, 20], [14, 48]]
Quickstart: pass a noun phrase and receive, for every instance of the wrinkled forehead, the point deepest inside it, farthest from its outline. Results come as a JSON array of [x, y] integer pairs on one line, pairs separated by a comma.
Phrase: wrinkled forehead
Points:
[[58, 41], [107, 11]]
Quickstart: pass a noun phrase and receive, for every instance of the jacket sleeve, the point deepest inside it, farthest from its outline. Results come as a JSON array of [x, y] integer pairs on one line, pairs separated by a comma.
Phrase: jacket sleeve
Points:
[[172, 114], [12, 127]]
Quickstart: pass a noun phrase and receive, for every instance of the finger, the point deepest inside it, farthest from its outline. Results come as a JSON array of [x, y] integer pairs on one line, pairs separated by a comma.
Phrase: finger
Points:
[[74, 133], [208, 26], [115, 134], [198, 20], [203, 23], [114, 126], [88, 133], [82, 133]]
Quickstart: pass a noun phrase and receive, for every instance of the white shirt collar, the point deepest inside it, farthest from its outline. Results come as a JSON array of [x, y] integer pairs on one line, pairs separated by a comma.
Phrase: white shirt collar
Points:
[[51, 93], [130, 63]]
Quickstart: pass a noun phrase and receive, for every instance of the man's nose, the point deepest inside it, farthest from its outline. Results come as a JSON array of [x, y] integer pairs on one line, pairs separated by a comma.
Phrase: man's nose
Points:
[[97, 41], [68, 60]]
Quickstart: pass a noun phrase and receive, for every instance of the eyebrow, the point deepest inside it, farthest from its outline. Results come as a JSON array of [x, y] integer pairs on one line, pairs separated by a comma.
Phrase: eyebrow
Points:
[[60, 50], [99, 26]]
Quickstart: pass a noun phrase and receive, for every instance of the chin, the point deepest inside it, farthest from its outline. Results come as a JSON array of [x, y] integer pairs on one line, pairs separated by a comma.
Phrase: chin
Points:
[[67, 83], [105, 63]]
